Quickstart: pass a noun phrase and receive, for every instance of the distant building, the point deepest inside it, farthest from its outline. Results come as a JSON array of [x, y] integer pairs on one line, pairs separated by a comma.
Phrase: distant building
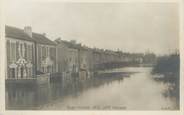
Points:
[[74, 59], [96, 59], [85, 63], [67, 60]]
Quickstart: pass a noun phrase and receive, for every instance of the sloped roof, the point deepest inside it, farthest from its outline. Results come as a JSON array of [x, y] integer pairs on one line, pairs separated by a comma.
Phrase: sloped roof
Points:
[[77, 46], [41, 39], [71, 45], [20, 34], [17, 33]]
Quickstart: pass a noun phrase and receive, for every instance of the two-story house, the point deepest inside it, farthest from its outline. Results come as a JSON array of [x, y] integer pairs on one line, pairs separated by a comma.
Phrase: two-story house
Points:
[[28, 53], [20, 54]]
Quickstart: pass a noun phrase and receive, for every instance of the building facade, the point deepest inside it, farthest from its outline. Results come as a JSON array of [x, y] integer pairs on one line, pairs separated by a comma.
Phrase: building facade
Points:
[[45, 55], [68, 61], [28, 53], [67, 57], [20, 54]]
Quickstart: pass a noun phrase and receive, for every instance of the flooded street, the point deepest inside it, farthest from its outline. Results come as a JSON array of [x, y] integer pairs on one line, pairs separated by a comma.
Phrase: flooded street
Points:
[[136, 92], [88, 56]]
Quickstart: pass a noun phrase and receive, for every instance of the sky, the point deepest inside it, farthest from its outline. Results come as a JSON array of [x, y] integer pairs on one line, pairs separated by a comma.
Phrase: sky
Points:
[[130, 27]]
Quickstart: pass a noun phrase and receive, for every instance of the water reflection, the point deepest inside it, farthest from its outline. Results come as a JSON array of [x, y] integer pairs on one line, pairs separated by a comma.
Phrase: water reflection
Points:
[[137, 92]]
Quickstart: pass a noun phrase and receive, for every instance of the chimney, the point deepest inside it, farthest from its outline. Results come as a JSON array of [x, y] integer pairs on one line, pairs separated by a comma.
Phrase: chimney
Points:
[[28, 31], [58, 40], [73, 41], [44, 34]]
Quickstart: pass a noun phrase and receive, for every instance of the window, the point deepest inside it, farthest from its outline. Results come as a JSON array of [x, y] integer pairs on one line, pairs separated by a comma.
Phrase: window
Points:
[[8, 50], [47, 52], [44, 52], [52, 69], [25, 51], [22, 72], [43, 69], [21, 51], [48, 69], [12, 51], [29, 72], [12, 73], [29, 52]]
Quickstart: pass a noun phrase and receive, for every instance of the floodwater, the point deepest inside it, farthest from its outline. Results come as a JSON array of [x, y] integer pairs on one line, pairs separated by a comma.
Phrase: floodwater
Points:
[[137, 91]]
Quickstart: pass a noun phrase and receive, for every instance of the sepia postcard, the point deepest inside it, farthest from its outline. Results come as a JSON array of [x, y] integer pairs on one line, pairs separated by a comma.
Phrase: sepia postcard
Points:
[[76, 56]]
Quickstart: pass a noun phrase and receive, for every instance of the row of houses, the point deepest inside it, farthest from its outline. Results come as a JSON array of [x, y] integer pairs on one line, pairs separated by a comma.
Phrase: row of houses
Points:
[[31, 55]]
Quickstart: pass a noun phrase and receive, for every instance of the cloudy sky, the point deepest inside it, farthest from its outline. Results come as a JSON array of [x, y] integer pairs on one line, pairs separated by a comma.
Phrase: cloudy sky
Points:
[[133, 27]]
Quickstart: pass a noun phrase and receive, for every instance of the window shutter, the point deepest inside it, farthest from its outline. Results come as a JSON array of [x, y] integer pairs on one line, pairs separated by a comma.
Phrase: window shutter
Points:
[[17, 50], [33, 53], [8, 51], [13, 51], [30, 52], [25, 51], [39, 57]]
